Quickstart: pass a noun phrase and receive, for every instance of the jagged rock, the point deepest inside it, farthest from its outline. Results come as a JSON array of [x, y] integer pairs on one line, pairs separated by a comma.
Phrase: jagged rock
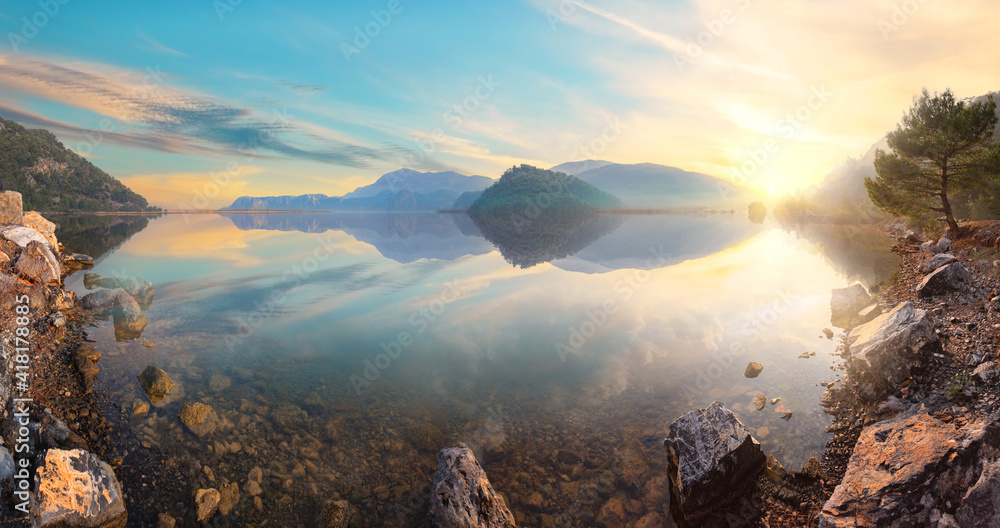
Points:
[[22, 236], [845, 303], [75, 489], [206, 503], [38, 265], [461, 495], [775, 471], [947, 279], [199, 418], [45, 228], [882, 352], [11, 211], [937, 261], [335, 514], [710, 456], [753, 369], [99, 301], [155, 383], [129, 318], [986, 372], [943, 245], [906, 470], [981, 504]]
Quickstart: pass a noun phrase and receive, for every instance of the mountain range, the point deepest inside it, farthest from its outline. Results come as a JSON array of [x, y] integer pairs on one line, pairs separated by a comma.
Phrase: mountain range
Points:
[[644, 185]]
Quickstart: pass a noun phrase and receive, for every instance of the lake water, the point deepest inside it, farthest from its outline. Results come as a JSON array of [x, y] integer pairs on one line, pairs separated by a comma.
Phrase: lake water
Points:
[[344, 350]]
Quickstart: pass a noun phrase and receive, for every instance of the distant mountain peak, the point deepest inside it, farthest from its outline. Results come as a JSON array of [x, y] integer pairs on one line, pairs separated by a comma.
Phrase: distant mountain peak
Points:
[[575, 167]]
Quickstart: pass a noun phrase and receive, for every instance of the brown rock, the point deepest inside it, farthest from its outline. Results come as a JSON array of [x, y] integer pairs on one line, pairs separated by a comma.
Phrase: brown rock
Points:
[[335, 514], [38, 265], [612, 513], [11, 211], [199, 418], [753, 369], [229, 497], [45, 228], [155, 383], [206, 503]]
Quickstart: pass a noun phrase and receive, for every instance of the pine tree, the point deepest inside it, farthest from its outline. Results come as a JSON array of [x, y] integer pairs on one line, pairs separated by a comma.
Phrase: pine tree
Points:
[[941, 146]]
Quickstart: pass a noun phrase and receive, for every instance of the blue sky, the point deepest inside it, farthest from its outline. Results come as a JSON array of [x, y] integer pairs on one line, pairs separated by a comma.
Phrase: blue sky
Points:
[[195, 103]]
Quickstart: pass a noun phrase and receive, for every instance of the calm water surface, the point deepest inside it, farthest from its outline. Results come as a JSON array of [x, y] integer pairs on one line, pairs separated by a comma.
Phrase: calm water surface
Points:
[[344, 350]]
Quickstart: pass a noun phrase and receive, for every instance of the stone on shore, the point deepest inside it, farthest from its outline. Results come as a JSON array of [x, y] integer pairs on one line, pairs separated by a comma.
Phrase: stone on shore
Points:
[[54, 433], [753, 369], [845, 303], [99, 301], [710, 456], [199, 418], [206, 503], [947, 279], [11, 208], [942, 246], [461, 495], [38, 265], [22, 236], [44, 227], [937, 261], [155, 383], [906, 471], [75, 489], [882, 352], [981, 504]]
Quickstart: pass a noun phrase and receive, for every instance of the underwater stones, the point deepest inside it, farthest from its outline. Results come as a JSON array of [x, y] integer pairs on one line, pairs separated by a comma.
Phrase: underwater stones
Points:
[[710, 455], [206, 503], [199, 418], [229, 497], [753, 369], [335, 514], [75, 489], [141, 290], [219, 382], [425, 436], [155, 383], [775, 471], [128, 316], [461, 495]]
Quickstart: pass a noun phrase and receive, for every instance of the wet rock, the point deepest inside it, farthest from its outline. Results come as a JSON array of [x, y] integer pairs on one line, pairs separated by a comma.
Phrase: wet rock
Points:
[[710, 456], [759, 401], [937, 261], [612, 513], [905, 471], [45, 228], [128, 315], [98, 301], [199, 418], [155, 383], [206, 503], [753, 369], [77, 261], [11, 211], [948, 279], [845, 304], [980, 506], [883, 351], [335, 514], [76, 489], [38, 265], [141, 290], [229, 497], [775, 471], [90, 280], [461, 495]]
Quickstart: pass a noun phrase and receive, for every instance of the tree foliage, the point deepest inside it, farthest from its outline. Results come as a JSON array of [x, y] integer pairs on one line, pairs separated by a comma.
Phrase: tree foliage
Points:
[[52, 178], [942, 146], [529, 190]]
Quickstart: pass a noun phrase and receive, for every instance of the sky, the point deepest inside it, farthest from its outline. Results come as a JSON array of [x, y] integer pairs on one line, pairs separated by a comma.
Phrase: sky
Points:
[[195, 103]]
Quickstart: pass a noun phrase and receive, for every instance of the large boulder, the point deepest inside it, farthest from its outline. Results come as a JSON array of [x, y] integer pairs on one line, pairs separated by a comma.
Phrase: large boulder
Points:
[[38, 265], [45, 228], [710, 456], [11, 211], [845, 303], [909, 471], [937, 261], [129, 319], [947, 279], [21, 235], [462, 497], [881, 353], [75, 489]]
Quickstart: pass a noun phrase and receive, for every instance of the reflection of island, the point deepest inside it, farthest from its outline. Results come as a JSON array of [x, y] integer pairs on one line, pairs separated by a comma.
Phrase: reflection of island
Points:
[[97, 235], [525, 243], [403, 237]]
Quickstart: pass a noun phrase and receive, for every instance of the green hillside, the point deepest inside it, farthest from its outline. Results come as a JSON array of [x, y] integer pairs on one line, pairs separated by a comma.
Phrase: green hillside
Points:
[[525, 189], [50, 177]]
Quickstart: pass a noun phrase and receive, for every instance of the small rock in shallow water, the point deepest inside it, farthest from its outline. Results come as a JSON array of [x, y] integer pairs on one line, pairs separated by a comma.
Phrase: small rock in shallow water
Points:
[[787, 417], [774, 401], [753, 369], [759, 401], [335, 514], [155, 383], [206, 503], [199, 418]]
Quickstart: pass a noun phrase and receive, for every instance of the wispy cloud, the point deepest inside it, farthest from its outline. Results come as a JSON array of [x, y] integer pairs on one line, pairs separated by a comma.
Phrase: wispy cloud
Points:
[[150, 44], [159, 116]]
